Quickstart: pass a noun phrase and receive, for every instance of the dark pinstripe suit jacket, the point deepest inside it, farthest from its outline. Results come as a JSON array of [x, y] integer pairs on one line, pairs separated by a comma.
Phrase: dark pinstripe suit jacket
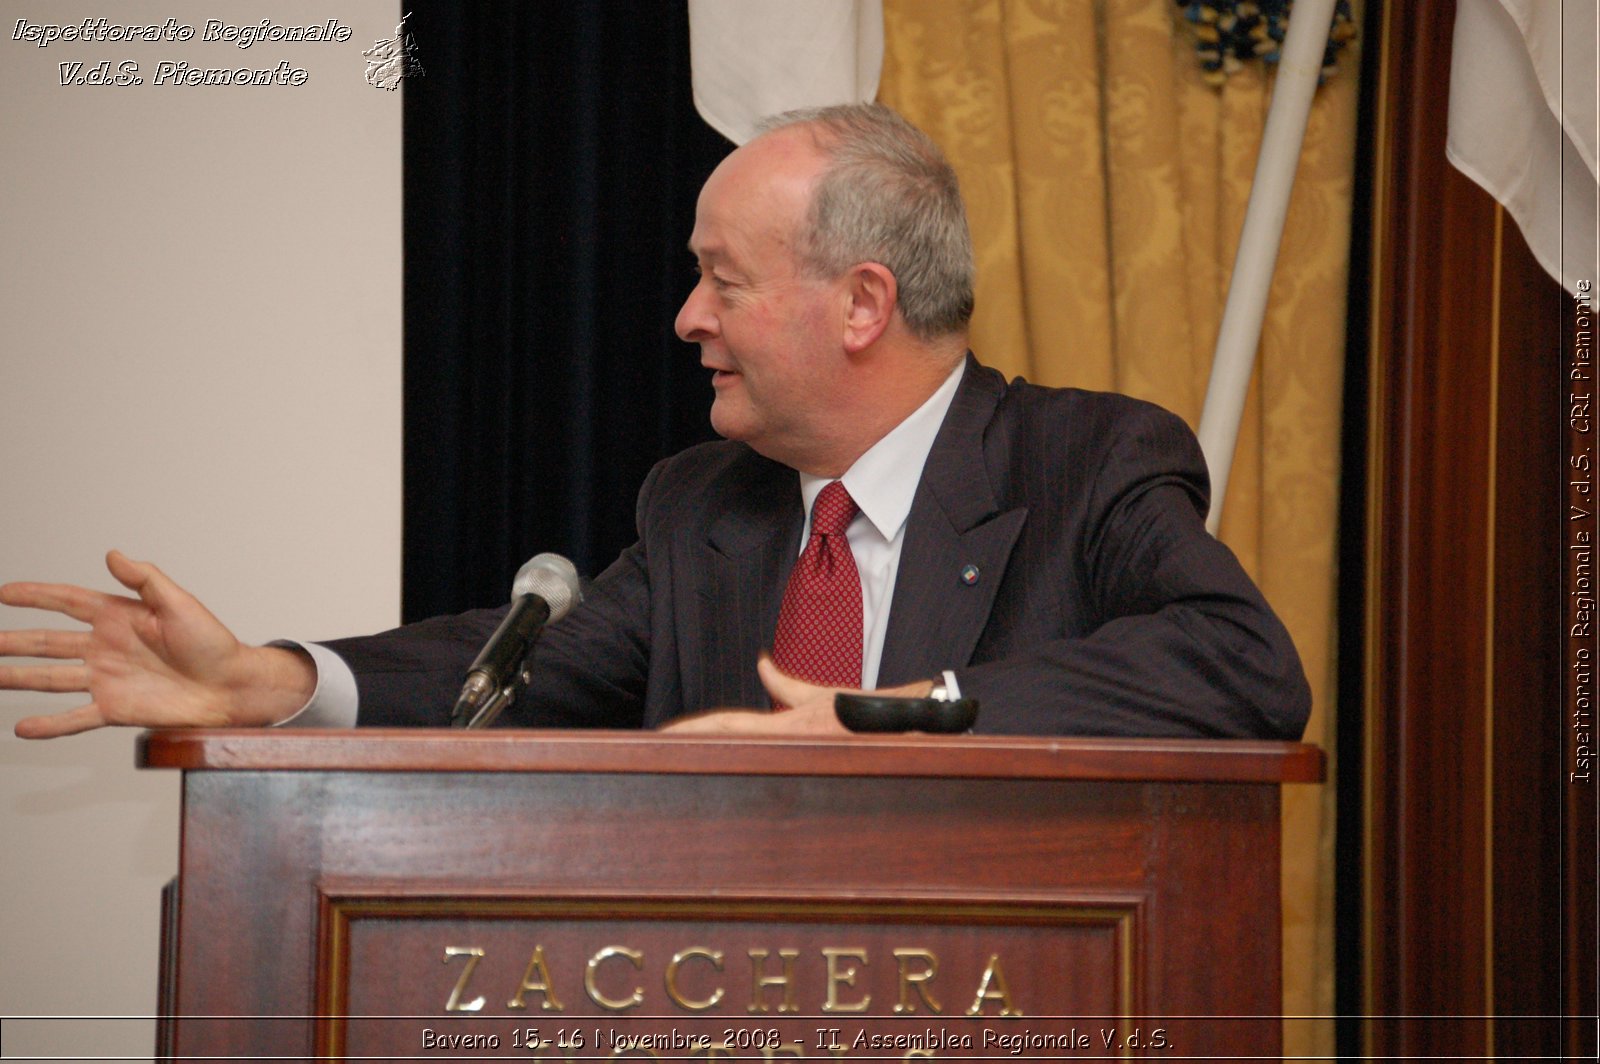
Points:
[[1102, 607]]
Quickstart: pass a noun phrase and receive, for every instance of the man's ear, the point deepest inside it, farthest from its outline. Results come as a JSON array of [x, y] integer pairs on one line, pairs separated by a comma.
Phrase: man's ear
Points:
[[874, 295]]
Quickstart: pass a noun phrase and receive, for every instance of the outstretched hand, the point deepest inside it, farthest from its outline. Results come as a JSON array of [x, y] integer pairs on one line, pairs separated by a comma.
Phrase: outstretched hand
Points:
[[810, 709], [155, 661]]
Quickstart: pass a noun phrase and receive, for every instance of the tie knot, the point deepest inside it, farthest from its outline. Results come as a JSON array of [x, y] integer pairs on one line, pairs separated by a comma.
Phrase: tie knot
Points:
[[833, 510]]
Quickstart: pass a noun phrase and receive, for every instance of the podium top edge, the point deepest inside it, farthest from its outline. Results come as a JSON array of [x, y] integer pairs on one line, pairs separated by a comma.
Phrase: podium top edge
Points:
[[964, 756]]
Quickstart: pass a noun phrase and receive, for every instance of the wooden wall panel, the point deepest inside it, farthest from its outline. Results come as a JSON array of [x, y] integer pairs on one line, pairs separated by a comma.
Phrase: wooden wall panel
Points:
[[1524, 747], [1473, 880], [1425, 862]]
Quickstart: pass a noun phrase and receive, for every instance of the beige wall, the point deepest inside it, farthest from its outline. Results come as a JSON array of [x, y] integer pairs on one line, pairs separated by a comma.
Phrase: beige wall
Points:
[[199, 364]]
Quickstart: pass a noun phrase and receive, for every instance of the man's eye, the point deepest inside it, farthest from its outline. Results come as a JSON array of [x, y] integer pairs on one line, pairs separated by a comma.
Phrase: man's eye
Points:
[[716, 282]]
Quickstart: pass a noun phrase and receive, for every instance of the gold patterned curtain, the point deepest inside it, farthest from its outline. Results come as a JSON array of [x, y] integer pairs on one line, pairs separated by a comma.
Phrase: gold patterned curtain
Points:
[[1107, 184]]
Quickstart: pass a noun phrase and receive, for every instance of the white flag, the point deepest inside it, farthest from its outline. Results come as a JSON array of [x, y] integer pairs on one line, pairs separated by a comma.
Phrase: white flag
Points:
[[1522, 121], [753, 58]]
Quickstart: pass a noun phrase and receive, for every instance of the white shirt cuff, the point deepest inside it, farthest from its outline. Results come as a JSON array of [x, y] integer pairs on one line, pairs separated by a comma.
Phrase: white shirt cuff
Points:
[[335, 702], [951, 686]]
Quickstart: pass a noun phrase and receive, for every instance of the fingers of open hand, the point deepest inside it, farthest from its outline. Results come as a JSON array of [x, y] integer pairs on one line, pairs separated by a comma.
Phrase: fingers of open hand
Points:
[[813, 718], [43, 643], [79, 603], [155, 587], [716, 722], [69, 722], [44, 677], [784, 689]]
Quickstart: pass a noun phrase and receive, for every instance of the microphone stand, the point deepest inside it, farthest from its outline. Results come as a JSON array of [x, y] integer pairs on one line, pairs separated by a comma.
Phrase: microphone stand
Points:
[[491, 709], [545, 589]]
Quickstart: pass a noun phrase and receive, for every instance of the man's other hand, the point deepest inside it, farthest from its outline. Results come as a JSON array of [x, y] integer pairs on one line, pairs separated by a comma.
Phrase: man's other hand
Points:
[[810, 709], [156, 661]]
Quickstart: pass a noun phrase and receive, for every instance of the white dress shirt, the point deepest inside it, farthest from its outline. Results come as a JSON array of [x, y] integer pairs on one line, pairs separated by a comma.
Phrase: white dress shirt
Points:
[[882, 482]]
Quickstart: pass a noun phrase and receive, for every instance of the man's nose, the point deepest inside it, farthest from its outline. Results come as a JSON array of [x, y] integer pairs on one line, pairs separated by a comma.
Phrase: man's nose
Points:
[[695, 322]]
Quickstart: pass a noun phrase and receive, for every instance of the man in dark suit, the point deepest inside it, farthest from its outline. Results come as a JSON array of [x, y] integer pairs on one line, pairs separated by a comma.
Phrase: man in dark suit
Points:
[[1038, 549]]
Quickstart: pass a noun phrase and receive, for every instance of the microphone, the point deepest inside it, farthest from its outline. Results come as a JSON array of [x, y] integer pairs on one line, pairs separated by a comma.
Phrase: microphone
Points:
[[544, 591]]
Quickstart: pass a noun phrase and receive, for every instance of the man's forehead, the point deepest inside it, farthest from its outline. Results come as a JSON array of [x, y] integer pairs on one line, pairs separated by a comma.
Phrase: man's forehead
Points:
[[763, 186]]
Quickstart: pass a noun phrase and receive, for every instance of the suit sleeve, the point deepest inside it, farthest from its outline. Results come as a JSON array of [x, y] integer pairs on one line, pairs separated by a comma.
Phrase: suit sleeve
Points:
[[1179, 641], [589, 669]]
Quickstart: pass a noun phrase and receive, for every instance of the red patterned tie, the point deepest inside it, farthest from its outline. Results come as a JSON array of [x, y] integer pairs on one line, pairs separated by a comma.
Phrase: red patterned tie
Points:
[[819, 625]]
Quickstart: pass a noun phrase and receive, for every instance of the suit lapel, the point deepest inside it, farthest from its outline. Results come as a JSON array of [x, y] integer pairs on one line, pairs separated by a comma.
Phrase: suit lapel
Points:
[[749, 550], [955, 525]]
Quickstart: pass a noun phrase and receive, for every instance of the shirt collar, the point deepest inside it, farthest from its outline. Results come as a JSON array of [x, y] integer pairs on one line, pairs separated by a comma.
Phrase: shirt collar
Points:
[[884, 480]]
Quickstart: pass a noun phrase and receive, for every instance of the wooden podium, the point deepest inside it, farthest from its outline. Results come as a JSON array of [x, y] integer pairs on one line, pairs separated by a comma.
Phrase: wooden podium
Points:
[[578, 896]]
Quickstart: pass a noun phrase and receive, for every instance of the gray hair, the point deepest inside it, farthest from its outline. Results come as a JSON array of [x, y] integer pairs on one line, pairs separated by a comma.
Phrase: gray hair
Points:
[[889, 196]]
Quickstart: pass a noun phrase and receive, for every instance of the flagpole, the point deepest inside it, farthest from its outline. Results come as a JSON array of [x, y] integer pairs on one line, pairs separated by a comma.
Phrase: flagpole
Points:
[[1240, 334]]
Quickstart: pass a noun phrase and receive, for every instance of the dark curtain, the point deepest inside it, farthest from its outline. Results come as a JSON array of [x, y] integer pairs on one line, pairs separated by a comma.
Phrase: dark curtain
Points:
[[552, 159]]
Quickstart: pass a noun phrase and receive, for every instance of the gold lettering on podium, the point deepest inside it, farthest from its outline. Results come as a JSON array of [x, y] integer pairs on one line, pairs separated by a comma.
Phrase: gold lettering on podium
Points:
[[759, 981], [849, 982], [474, 954], [633, 1000], [712, 955], [992, 987], [846, 977], [536, 966], [918, 980]]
